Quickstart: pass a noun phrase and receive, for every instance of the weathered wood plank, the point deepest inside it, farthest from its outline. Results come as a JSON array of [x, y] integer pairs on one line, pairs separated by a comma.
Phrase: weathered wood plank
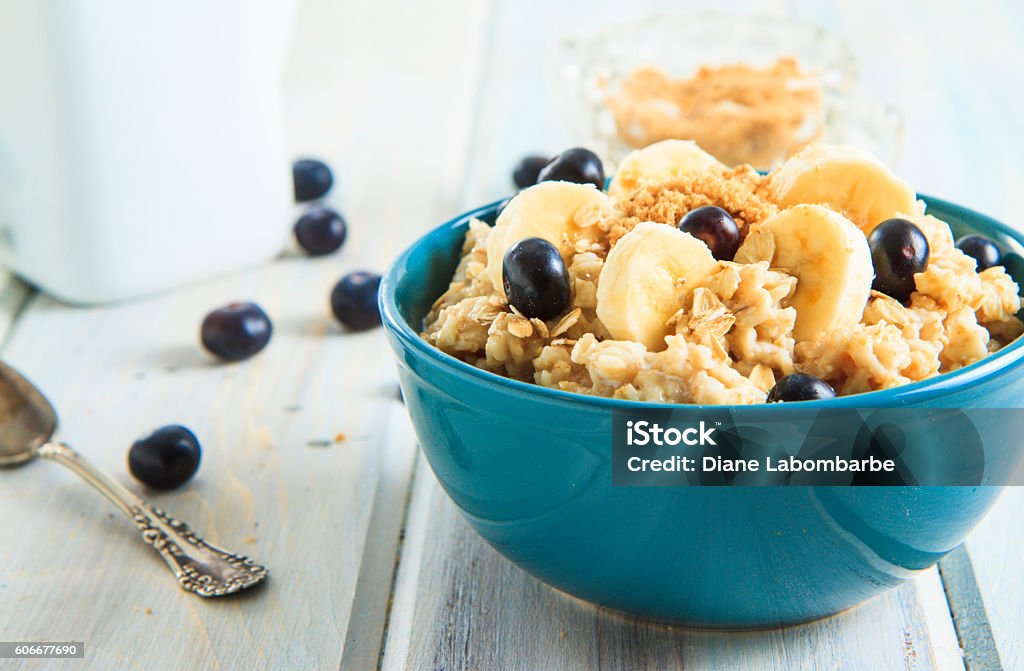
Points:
[[74, 569], [275, 481], [996, 551], [967, 606]]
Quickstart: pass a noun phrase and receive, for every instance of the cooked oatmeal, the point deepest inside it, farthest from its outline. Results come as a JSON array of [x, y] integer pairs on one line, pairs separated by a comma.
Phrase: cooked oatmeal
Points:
[[730, 334]]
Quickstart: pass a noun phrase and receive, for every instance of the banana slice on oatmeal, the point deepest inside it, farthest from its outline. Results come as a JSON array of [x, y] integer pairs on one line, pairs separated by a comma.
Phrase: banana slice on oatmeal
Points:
[[645, 279], [546, 210], [848, 179], [660, 162], [827, 254]]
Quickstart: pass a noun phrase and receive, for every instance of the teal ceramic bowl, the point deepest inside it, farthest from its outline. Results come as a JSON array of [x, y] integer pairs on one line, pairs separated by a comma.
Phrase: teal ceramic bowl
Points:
[[530, 469]]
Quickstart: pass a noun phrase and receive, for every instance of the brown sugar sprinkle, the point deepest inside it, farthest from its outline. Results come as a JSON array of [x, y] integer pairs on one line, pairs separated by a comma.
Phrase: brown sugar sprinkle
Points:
[[738, 113], [735, 190]]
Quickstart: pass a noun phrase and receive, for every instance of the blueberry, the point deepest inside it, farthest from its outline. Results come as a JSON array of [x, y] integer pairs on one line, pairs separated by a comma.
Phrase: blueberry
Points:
[[527, 170], [535, 278], [320, 231], [899, 250], [501, 207], [312, 179], [574, 165], [800, 387], [354, 300], [715, 228], [236, 331], [166, 458], [981, 249]]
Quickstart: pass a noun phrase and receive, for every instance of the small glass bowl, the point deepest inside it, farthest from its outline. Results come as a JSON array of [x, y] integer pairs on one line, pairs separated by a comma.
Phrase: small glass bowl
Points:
[[778, 110]]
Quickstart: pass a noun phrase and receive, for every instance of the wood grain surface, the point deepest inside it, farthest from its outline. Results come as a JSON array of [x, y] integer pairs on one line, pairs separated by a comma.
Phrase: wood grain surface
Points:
[[277, 480], [309, 462]]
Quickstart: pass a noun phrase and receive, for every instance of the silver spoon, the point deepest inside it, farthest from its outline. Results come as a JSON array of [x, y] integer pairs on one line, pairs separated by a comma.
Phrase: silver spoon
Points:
[[27, 421]]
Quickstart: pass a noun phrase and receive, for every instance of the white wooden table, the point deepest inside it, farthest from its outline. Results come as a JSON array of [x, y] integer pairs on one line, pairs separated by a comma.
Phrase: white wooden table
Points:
[[422, 108]]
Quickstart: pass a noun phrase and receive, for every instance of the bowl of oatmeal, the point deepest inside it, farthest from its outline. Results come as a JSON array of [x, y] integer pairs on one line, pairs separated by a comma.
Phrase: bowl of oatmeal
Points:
[[749, 89], [516, 412]]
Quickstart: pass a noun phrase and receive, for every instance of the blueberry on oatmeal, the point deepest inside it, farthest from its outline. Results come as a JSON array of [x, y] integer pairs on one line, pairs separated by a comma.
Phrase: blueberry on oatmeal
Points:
[[716, 228], [535, 279], [899, 250], [983, 250], [800, 387], [528, 169], [501, 207], [578, 165]]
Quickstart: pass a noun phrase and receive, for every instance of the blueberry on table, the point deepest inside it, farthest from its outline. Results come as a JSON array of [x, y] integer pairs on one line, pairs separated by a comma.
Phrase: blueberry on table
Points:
[[535, 278], [574, 165], [236, 331], [354, 300], [716, 228], [312, 179], [320, 231], [983, 250], [166, 458], [526, 171], [899, 250], [800, 387]]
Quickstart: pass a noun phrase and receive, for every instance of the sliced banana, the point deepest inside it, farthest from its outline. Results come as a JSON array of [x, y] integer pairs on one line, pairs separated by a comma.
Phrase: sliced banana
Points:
[[660, 162], [546, 210], [848, 179], [645, 279], [830, 258]]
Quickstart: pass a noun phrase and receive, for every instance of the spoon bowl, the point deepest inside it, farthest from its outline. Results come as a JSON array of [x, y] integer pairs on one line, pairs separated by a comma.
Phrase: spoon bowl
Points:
[[27, 420]]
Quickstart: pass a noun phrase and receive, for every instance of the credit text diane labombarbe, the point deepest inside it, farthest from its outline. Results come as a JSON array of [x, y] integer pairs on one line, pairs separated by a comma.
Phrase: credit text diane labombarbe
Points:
[[643, 433]]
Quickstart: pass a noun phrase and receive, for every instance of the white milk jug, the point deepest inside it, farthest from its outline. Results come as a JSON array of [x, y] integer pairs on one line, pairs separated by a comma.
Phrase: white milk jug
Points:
[[141, 143]]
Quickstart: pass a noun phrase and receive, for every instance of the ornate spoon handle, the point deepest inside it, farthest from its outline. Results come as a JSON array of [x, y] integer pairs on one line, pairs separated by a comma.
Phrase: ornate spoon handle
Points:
[[200, 567]]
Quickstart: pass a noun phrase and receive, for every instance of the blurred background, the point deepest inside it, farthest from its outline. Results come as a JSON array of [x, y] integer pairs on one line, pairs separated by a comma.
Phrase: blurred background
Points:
[[425, 103], [952, 70]]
